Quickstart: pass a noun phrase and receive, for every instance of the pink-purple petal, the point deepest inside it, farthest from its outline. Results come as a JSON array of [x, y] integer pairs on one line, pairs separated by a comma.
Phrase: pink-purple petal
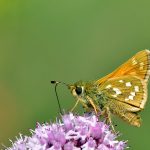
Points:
[[72, 133]]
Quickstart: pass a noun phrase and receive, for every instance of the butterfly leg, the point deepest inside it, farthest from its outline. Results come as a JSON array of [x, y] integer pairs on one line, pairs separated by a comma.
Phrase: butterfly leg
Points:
[[106, 112], [93, 105], [75, 105], [84, 105]]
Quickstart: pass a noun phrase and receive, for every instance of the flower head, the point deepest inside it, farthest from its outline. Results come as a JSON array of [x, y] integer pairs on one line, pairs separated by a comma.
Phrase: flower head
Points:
[[72, 133]]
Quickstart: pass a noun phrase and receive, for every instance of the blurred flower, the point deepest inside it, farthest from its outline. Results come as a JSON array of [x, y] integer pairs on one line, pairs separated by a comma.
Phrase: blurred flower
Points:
[[72, 133]]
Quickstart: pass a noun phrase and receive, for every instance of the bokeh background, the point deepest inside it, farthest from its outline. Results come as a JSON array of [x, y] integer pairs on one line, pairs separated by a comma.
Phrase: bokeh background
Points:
[[43, 40]]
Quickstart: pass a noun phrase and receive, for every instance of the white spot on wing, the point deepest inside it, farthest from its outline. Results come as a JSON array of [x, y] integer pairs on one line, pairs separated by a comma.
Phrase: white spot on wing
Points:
[[132, 93], [121, 81], [136, 88], [108, 86], [128, 84], [131, 97], [117, 91]]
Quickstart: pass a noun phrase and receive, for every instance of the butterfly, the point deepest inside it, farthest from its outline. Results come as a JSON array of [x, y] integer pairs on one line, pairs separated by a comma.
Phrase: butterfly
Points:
[[122, 92]]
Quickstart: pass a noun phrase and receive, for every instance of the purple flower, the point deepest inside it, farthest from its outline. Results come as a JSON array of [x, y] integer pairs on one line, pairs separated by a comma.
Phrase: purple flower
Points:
[[72, 133]]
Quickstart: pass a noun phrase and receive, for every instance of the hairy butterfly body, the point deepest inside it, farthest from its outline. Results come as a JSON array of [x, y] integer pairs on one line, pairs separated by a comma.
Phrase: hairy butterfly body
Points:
[[123, 92]]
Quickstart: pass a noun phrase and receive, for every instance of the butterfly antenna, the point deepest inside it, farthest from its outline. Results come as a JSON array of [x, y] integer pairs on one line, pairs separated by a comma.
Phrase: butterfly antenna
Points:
[[56, 84]]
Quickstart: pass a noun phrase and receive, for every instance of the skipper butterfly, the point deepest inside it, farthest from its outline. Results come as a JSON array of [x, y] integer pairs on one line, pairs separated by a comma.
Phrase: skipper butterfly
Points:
[[122, 92]]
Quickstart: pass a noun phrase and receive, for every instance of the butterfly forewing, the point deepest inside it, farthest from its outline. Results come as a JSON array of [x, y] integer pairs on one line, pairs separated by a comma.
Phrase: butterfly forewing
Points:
[[138, 65], [127, 89]]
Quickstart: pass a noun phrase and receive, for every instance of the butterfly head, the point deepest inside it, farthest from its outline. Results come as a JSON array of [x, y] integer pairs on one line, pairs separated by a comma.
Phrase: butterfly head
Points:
[[78, 89], [86, 94]]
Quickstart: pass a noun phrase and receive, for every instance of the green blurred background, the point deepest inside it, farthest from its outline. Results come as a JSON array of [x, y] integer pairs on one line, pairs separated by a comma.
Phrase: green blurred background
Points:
[[43, 40]]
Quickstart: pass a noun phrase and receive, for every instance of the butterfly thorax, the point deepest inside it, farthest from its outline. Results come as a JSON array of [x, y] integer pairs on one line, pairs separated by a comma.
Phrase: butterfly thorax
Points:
[[88, 93]]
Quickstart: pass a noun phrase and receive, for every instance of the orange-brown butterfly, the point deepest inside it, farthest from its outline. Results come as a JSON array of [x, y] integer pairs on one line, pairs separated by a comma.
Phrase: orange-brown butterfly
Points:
[[123, 92]]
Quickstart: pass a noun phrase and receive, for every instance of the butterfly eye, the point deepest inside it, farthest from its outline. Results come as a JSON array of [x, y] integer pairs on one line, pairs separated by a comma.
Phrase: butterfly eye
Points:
[[78, 90]]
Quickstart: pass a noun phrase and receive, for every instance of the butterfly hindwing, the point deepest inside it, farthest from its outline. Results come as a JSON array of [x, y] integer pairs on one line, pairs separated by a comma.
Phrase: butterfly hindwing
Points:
[[126, 89], [127, 112]]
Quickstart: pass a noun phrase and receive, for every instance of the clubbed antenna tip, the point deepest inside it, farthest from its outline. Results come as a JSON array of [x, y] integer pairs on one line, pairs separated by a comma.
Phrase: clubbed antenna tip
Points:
[[53, 82]]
